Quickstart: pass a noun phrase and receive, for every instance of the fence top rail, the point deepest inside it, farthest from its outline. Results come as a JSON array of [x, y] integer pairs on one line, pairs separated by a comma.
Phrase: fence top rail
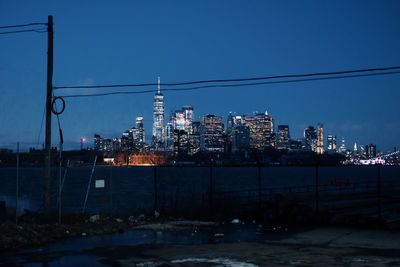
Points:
[[255, 165]]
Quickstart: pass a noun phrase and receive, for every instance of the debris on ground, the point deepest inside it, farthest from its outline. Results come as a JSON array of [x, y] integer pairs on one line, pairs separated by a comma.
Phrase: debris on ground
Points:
[[94, 218], [175, 226], [34, 234]]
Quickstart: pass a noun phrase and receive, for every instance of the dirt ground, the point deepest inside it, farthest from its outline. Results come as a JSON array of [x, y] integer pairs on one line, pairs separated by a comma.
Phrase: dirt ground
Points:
[[316, 247], [247, 254], [309, 247]]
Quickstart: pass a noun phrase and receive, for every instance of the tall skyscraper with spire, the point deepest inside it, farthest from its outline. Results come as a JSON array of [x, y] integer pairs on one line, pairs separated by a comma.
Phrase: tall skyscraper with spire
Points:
[[158, 139]]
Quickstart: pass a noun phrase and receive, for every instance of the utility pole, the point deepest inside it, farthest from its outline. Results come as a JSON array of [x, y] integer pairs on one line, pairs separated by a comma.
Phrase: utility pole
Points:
[[49, 96]]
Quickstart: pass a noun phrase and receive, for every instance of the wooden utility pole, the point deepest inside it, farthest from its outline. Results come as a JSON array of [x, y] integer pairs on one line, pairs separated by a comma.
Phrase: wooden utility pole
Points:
[[49, 96]]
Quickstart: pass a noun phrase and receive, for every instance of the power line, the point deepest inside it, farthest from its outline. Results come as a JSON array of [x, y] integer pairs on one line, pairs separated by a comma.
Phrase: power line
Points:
[[22, 25], [234, 80], [42, 30], [234, 85]]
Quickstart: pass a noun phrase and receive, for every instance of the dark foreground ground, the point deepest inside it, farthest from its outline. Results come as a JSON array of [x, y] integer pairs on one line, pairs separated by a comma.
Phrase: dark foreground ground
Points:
[[184, 243]]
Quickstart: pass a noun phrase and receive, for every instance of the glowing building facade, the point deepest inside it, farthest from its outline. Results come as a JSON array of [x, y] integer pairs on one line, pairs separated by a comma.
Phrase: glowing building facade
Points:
[[310, 138], [283, 137], [238, 135], [183, 119], [140, 135], [158, 140], [331, 142], [261, 128], [211, 134], [320, 139]]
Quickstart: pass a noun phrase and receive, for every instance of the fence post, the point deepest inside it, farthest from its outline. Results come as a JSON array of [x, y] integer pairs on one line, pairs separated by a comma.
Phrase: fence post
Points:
[[111, 191], [259, 187], [59, 185], [155, 188], [17, 187], [378, 189], [211, 191], [316, 190]]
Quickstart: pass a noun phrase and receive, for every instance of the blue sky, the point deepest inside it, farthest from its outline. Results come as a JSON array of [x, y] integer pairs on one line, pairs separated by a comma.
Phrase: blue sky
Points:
[[108, 42]]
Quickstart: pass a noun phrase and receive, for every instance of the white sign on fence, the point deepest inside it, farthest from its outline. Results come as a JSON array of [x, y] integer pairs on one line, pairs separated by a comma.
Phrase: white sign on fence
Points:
[[99, 184]]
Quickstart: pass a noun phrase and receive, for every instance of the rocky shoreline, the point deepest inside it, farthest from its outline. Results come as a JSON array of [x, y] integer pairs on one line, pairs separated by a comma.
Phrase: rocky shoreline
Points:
[[30, 234]]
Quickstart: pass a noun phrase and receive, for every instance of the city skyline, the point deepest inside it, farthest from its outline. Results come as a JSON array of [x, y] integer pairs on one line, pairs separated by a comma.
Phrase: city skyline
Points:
[[243, 132], [120, 44], [159, 109]]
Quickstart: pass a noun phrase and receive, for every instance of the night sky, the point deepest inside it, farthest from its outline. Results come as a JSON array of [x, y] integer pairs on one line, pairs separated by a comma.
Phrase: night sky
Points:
[[102, 42]]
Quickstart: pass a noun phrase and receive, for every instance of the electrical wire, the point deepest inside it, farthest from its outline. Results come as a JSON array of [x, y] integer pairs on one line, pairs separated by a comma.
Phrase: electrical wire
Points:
[[22, 25], [233, 80], [42, 30], [232, 85]]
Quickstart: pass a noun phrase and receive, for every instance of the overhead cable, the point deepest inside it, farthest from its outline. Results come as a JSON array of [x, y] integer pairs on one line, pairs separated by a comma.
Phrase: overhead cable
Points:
[[234, 80], [232, 85]]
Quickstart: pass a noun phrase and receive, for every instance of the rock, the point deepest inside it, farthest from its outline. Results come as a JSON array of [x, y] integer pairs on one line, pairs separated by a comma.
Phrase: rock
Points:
[[132, 219], [118, 220], [156, 214], [234, 221], [141, 217], [83, 234], [94, 218]]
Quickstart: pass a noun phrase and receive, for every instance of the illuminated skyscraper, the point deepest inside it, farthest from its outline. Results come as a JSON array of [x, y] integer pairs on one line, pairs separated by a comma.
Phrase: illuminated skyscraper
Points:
[[343, 149], [283, 138], [169, 137], [181, 143], [370, 151], [240, 138], [331, 142], [261, 130], [98, 143], [140, 135], [234, 121], [158, 139], [211, 134], [237, 133], [320, 139], [183, 119], [178, 120], [310, 138], [188, 116]]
